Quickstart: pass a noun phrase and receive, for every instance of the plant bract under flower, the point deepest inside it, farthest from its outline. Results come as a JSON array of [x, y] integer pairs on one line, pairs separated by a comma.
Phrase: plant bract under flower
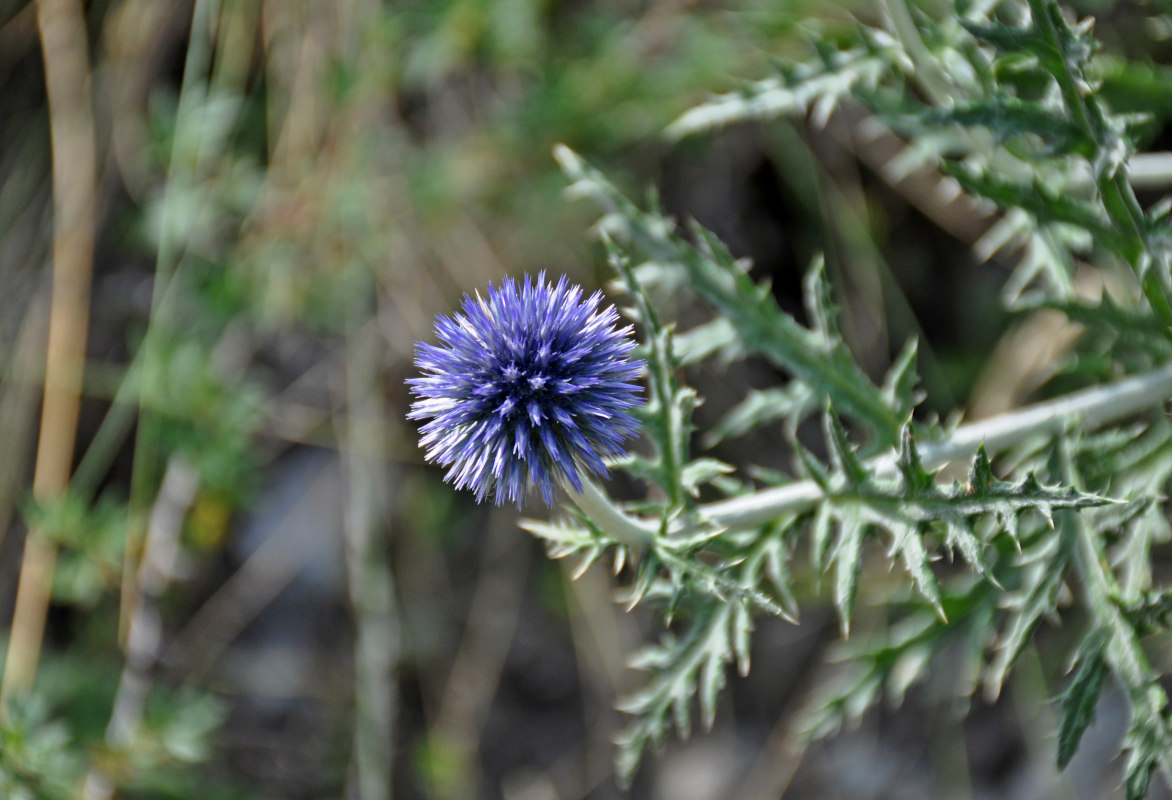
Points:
[[527, 388]]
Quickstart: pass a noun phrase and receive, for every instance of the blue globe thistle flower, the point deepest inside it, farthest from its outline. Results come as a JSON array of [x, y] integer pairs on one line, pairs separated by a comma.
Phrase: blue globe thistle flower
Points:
[[528, 388]]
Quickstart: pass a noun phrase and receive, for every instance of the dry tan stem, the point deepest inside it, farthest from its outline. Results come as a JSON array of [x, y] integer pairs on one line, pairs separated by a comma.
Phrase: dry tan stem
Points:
[[63, 42]]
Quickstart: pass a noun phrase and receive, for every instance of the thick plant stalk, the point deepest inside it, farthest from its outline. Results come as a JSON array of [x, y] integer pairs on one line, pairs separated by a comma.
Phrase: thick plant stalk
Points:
[[1092, 408], [1150, 170], [63, 42], [595, 504]]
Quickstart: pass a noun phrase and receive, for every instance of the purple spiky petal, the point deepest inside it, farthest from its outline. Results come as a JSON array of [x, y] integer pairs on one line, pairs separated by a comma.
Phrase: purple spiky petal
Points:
[[529, 387]]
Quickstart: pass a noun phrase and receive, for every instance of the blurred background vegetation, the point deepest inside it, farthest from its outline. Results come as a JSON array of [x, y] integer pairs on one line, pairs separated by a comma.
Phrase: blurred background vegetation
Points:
[[251, 585]]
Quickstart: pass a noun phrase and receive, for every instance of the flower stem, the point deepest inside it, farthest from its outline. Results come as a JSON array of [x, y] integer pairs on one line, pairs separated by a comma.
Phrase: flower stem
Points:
[[1150, 170], [1094, 407], [595, 504]]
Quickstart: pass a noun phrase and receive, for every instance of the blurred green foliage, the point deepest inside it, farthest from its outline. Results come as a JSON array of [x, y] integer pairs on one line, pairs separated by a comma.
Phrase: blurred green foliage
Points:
[[277, 176], [276, 179]]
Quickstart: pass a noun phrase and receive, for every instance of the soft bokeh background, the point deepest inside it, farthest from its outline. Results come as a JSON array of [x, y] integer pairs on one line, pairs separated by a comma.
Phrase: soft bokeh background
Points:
[[284, 193]]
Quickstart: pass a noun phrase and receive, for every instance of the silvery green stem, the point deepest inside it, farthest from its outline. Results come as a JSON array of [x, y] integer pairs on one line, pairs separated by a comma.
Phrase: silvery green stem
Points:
[[1150, 170], [595, 504], [1093, 407]]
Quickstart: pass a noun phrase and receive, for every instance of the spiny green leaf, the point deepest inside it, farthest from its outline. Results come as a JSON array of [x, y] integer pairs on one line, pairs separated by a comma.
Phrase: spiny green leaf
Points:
[[1082, 695], [791, 402], [811, 467], [700, 472], [741, 634], [916, 479], [711, 682], [906, 541], [899, 387], [1151, 612], [36, 756], [1143, 754], [776, 568], [842, 453], [683, 667], [820, 537], [645, 576], [917, 500], [899, 656], [720, 583], [564, 539], [1007, 117], [1005, 38], [959, 536], [667, 414], [692, 540], [630, 746], [716, 338], [820, 83], [720, 600], [1037, 596], [848, 558], [1043, 203], [908, 668], [763, 327], [681, 714], [820, 306], [645, 469], [981, 476], [1005, 501]]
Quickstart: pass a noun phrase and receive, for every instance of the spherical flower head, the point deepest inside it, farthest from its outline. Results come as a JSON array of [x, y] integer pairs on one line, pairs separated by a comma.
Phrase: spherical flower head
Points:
[[527, 388]]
